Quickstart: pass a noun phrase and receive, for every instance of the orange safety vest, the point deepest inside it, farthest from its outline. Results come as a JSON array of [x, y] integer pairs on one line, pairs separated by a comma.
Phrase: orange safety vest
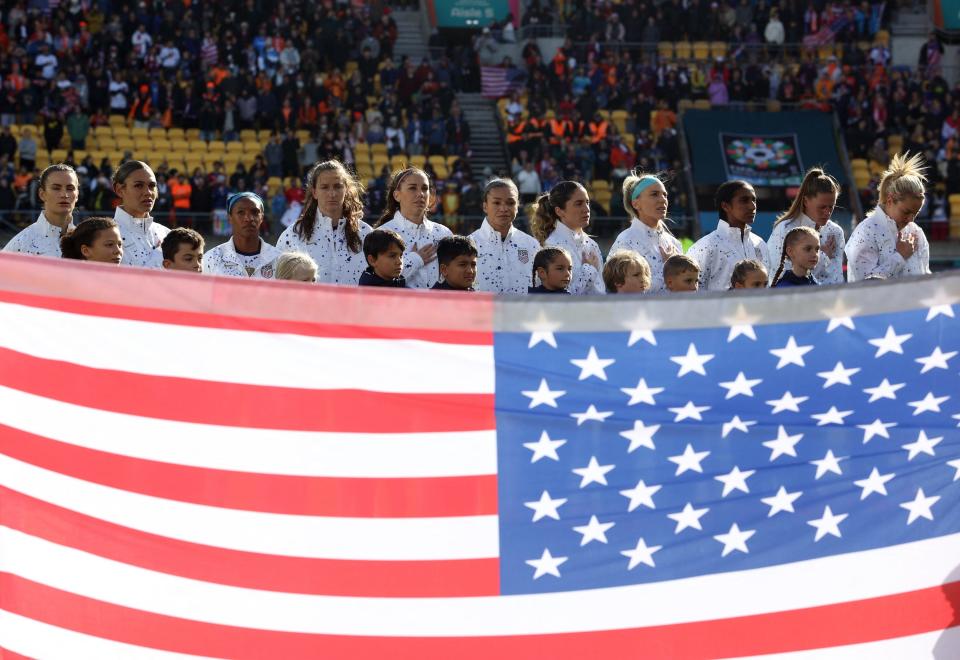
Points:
[[515, 134], [598, 131], [558, 130]]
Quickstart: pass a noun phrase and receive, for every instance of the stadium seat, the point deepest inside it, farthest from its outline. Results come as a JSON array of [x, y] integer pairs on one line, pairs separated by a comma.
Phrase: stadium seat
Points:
[[97, 131], [125, 144], [117, 121], [161, 144], [378, 148], [235, 147], [176, 134], [665, 50], [252, 147], [685, 104], [683, 50], [882, 37], [364, 172], [248, 135], [718, 49], [601, 184], [702, 104], [418, 161], [701, 50], [192, 134]]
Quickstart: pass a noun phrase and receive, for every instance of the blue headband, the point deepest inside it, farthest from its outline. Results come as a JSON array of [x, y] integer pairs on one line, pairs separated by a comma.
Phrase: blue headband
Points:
[[236, 197], [645, 182]]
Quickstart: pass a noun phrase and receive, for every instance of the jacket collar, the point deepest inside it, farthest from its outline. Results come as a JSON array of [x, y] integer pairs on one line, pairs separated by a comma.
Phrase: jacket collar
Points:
[[125, 219], [487, 230]]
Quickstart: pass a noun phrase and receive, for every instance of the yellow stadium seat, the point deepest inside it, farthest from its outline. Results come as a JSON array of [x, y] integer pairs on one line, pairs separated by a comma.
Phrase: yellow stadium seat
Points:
[[665, 50], [58, 155], [97, 131], [142, 143], [235, 147], [216, 148], [364, 171], [858, 163], [442, 171], [181, 145], [136, 132], [117, 121], [701, 50], [601, 184], [248, 135], [303, 136], [437, 161], [378, 148], [882, 37], [685, 104], [702, 104], [683, 50], [161, 144], [252, 147], [378, 161], [718, 49], [274, 184], [398, 162], [122, 132], [418, 161], [176, 134], [192, 133]]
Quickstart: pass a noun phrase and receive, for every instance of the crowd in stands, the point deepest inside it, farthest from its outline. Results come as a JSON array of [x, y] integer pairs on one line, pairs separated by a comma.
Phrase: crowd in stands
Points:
[[299, 81]]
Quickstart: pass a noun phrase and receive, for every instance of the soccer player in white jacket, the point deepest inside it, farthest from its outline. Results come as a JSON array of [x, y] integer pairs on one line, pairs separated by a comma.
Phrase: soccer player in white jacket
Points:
[[645, 201], [330, 228], [245, 254], [410, 196], [506, 254], [559, 220], [59, 190], [136, 185], [812, 207], [888, 243], [719, 251]]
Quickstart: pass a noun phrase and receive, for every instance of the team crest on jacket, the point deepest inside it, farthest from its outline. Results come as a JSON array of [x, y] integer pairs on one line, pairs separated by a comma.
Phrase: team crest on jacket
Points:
[[267, 271], [523, 255]]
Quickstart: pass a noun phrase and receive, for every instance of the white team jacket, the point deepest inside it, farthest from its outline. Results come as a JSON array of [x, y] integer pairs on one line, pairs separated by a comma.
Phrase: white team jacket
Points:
[[141, 240], [504, 265], [39, 238], [418, 274], [828, 271], [224, 260], [720, 250], [336, 263], [647, 242], [586, 280], [872, 249]]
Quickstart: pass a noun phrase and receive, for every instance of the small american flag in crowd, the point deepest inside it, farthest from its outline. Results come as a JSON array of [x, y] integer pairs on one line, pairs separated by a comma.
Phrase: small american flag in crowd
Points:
[[204, 467], [497, 81]]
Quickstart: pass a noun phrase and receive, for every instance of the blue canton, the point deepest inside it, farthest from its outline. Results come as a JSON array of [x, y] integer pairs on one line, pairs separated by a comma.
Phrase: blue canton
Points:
[[693, 452]]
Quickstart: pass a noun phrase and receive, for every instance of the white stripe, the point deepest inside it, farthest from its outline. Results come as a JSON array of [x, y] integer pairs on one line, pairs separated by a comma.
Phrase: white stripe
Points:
[[35, 639], [941, 644], [298, 453], [806, 584], [257, 358], [466, 537]]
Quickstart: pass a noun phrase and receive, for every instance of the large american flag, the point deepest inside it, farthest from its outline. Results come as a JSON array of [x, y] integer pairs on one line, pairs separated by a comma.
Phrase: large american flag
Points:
[[202, 467]]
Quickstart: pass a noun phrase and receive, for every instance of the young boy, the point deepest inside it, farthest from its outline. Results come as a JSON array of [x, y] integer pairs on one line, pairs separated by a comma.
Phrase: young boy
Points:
[[681, 273], [383, 250], [457, 257], [626, 272], [183, 250]]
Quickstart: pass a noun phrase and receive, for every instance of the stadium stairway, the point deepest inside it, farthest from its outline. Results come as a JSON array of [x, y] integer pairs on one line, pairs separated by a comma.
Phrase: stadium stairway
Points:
[[412, 35], [486, 140]]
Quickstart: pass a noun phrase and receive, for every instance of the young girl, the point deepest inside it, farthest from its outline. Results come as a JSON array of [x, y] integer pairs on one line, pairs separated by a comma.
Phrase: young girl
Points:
[[94, 239], [801, 247], [812, 207], [554, 269], [505, 252], [136, 186], [719, 251], [297, 267], [330, 228], [559, 220], [888, 243], [410, 196], [645, 201], [58, 191], [749, 274]]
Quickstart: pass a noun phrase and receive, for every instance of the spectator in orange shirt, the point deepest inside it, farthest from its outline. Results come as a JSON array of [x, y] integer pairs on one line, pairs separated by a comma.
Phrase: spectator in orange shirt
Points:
[[663, 118], [180, 192]]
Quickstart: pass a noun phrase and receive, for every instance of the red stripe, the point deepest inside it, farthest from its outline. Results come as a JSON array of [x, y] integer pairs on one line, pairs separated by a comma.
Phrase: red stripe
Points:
[[10, 655], [330, 577], [463, 319], [899, 615], [242, 405], [309, 496], [250, 324]]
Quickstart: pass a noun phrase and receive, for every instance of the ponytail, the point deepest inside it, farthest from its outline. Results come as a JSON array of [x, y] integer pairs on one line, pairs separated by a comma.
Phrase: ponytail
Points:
[[904, 178], [393, 205], [792, 237], [543, 212], [84, 234], [815, 181]]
